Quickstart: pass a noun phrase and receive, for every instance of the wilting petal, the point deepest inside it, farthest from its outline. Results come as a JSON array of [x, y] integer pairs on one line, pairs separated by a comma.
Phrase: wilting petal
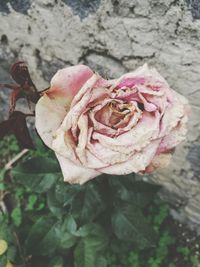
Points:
[[137, 163], [82, 138], [159, 161], [139, 73], [147, 105], [49, 116], [130, 82], [84, 95], [135, 139], [75, 174], [63, 141], [119, 126], [173, 113], [176, 136], [67, 82], [107, 155]]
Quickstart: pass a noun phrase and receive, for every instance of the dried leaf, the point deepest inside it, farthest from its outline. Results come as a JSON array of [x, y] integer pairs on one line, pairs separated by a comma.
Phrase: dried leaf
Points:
[[20, 129], [5, 128], [19, 72], [16, 124]]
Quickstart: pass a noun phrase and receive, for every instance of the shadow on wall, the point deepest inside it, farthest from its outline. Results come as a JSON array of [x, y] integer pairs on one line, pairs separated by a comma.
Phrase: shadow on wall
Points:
[[194, 6], [82, 8], [17, 5]]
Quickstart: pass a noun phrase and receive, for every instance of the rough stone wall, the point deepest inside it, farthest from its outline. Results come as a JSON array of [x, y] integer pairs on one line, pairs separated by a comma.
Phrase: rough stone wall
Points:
[[113, 37]]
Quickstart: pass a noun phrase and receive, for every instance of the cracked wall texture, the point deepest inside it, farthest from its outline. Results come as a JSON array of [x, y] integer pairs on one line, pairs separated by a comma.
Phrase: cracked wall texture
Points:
[[114, 37]]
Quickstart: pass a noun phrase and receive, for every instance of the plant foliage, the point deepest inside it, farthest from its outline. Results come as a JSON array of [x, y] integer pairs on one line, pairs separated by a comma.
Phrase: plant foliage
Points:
[[56, 224]]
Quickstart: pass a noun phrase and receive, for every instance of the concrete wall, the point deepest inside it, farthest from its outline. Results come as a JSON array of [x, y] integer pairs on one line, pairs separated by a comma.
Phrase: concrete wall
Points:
[[113, 37]]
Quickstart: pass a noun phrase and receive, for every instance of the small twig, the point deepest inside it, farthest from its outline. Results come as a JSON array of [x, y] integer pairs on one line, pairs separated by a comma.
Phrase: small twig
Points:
[[20, 248], [9, 86], [3, 208], [43, 91], [9, 165], [30, 114]]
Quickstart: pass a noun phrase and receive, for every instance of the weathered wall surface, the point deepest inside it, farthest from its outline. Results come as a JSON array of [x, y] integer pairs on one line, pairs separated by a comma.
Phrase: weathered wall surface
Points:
[[113, 37]]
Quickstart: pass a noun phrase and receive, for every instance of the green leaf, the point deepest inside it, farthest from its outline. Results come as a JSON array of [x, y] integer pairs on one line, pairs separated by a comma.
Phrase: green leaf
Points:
[[130, 225], [136, 192], [68, 229], [32, 199], [16, 215], [54, 205], [87, 252], [70, 224], [39, 174], [56, 262], [65, 193], [3, 261], [95, 234], [88, 204], [101, 262], [84, 255], [44, 237], [144, 193], [11, 254], [5, 232], [67, 240]]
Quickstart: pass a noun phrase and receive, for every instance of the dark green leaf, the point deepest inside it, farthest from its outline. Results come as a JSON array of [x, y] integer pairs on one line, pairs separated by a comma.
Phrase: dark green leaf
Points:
[[68, 229], [11, 253], [56, 262], [94, 241], [88, 205], [3, 261], [136, 192], [143, 193], [130, 225], [89, 229], [54, 205], [70, 224], [84, 255], [65, 192], [44, 237], [67, 240], [38, 173], [16, 215], [101, 262]]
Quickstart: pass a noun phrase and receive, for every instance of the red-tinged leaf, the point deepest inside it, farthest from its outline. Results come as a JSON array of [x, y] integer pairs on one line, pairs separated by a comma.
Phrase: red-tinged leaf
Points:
[[14, 97], [5, 128], [20, 129], [16, 124], [20, 73]]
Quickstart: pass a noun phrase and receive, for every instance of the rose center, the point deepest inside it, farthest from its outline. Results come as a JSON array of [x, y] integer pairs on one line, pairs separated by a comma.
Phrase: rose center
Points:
[[115, 115]]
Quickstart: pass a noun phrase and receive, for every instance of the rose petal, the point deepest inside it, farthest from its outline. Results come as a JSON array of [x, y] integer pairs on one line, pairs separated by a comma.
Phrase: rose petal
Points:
[[49, 116], [63, 142], [159, 161], [138, 162], [135, 139], [147, 105], [173, 113], [175, 137], [67, 82], [75, 174], [130, 82]]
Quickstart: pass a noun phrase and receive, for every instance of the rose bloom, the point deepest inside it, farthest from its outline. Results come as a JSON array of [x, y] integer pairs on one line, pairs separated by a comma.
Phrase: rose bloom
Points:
[[120, 126]]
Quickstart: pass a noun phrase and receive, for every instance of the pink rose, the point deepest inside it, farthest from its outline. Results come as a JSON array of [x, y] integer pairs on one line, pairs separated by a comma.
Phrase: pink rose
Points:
[[120, 126]]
